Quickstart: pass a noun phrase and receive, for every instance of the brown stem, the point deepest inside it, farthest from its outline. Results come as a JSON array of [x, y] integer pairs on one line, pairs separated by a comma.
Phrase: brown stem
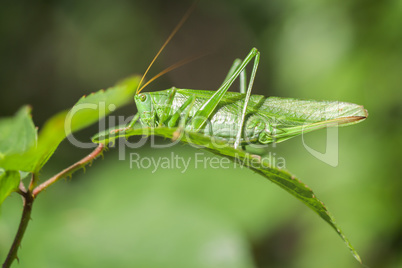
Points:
[[68, 171], [21, 189], [28, 197], [26, 216]]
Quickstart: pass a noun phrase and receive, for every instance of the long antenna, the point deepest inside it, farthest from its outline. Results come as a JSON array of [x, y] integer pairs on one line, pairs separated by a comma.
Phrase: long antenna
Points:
[[172, 67], [178, 26]]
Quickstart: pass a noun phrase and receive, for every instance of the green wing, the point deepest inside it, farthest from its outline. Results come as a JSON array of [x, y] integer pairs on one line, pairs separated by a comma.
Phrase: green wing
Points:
[[290, 117]]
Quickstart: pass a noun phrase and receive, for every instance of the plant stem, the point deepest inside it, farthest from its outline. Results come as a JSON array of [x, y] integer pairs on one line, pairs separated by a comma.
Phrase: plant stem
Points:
[[68, 171], [26, 216], [33, 182], [28, 197]]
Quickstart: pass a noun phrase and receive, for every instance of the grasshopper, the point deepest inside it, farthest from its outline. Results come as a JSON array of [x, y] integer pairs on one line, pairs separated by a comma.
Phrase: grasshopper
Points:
[[238, 118], [241, 118]]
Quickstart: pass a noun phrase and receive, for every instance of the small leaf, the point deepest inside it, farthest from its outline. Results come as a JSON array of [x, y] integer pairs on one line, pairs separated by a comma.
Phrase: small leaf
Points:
[[9, 181], [88, 110], [17, 136], [17, 133], [219, 146]]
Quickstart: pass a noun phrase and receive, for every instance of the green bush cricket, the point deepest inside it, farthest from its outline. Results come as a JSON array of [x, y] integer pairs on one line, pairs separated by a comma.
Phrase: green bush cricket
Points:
[[241, 118], [238, 118]]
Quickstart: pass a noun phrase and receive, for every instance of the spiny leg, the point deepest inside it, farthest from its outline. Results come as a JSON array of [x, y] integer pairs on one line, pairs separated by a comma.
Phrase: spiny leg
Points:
[[232, 70], [243, 81], [209, 106], [250, 86]]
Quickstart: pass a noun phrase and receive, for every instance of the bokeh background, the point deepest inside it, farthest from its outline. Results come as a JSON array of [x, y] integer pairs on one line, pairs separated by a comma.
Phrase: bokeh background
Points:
[[53, 52]]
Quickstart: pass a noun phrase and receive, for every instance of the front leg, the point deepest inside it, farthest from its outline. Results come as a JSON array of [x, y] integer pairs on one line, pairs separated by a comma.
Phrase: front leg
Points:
[[173, 119], [133, 121], [168, 108], [189, 103]]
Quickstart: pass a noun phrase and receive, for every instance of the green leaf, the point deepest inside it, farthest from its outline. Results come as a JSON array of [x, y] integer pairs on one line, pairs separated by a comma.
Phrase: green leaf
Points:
[[219, 146], [9, 181], [17, 136], [88, 110]]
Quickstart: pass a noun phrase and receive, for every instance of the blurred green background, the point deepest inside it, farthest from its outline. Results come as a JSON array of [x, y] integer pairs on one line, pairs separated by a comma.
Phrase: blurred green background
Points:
[[53, 52]]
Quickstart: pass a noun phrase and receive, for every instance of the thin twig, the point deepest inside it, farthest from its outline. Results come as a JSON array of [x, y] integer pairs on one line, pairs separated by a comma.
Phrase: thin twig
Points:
[[68, 171], [33, 182], [21, 189], [26, 216], [28, 197]]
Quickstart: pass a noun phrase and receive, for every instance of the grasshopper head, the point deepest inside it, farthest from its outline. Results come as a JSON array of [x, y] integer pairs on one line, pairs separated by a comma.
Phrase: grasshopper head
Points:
[[145, 109]]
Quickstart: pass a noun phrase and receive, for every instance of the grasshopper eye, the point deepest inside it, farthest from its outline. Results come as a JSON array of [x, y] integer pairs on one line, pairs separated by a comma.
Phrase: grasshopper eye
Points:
[[143, 97]]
